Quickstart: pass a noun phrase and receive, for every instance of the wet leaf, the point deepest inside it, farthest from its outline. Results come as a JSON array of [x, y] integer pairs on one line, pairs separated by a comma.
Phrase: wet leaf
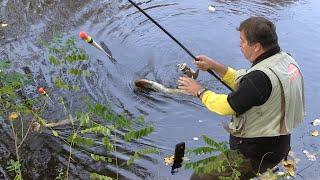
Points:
[[55, 133], [99, 158], [132, 135], [311, 157], [84, 119], [35, 126], [169, 160], [13, 116], [315, 133], [107, 144], [289, 166], [140, 153], [61, 84], [212, 8], [95, 176], [316, 122], [97, 129]]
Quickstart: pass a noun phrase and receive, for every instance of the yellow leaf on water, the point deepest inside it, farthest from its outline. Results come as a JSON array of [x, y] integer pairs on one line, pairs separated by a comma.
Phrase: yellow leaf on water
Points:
[[289, 166], [13, 116], [288, 163], [315, 133], [169, 160], [291, 172]]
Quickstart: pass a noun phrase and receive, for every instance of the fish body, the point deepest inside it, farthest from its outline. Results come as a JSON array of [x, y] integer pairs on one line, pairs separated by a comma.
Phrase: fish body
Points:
[[152, 85]]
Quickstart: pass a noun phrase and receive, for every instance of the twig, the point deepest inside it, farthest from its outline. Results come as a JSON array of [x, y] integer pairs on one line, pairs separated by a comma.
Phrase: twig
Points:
[[69, 159], [25, 136], [116, 154], [15, 142], [262, 160]]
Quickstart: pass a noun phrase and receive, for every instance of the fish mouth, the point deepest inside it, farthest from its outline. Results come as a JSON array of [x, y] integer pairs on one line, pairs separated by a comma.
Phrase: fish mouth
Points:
[[143, 83]]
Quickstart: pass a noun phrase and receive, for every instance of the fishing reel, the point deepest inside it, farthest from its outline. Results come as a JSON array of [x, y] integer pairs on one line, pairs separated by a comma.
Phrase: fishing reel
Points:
[[188, 71]]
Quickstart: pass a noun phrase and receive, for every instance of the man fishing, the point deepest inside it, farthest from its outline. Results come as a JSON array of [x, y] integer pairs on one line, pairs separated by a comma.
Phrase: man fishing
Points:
[[267, 101]]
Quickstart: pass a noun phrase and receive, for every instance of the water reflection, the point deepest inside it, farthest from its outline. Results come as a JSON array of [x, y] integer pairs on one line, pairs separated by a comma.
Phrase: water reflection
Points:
[[265, 8]]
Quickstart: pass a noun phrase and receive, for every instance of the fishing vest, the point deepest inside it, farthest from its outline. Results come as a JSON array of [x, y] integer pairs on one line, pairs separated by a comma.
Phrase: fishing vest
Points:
[[283, 111]]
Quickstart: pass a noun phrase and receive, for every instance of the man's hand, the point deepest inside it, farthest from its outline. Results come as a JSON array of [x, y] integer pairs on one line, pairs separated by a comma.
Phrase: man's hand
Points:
[[204, 63], [189, 85]]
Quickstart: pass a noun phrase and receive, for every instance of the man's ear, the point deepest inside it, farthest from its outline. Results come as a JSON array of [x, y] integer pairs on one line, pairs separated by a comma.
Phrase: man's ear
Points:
[[258, 47]]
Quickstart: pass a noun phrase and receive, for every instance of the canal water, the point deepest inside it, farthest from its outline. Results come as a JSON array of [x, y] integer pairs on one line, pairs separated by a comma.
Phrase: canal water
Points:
[[144, 51]]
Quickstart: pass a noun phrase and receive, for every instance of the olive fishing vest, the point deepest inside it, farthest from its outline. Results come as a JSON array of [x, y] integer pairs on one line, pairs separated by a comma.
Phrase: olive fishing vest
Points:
[[283, 111]]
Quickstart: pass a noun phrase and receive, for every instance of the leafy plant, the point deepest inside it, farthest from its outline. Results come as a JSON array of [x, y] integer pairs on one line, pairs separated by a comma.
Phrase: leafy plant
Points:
[[15, 167], [95, 176], [219, 158], [14, 107], [98, 124], [60, 175], [140, 153]]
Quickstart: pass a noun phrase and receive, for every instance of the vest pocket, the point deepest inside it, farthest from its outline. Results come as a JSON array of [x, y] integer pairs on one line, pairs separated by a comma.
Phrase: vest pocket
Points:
[[236, 126]]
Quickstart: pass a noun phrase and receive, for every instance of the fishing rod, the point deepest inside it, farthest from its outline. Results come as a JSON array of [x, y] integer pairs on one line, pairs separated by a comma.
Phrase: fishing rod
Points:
[[175, 40]]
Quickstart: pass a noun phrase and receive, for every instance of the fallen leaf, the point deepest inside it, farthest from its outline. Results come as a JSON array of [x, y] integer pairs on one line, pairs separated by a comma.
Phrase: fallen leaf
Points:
[[13, 116], [4, 25], [212, 8], [311, 157], [169, 160], [289, 166], [269, 175], [316, 122], [292, 155], [35, 126], [315, 133], [291, 172]]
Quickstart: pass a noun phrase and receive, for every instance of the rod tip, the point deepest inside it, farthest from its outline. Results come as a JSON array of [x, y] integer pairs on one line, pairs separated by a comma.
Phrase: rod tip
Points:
[[83, 35]]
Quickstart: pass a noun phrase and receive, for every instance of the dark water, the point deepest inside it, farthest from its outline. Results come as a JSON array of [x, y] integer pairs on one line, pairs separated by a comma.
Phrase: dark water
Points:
[[143, 51]]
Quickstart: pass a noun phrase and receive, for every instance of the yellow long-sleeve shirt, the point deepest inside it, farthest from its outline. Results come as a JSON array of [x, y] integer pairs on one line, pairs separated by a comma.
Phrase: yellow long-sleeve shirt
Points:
[[218, 103]]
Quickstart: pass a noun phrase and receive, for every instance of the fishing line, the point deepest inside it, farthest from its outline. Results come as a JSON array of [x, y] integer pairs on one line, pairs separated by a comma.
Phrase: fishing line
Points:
[[175, 40]]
